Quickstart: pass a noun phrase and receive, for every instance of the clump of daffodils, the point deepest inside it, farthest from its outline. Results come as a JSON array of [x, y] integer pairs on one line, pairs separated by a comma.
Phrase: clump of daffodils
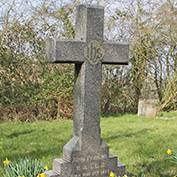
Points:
[[46, 167], [172, 156], [41, 175], [169, 152], [24, 168], [6, 162], [112, 174]]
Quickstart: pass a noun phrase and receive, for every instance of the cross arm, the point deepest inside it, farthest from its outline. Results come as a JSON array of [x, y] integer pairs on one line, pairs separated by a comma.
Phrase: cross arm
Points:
[[58, 51], [116, 53]]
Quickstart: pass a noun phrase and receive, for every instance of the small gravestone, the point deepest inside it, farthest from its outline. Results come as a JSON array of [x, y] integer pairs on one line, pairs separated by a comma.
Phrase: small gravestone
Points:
[[148, 102], [86, 154]]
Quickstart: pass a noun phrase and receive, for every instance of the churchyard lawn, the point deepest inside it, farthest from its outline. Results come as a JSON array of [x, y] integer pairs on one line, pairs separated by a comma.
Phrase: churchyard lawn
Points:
[[140, 144]]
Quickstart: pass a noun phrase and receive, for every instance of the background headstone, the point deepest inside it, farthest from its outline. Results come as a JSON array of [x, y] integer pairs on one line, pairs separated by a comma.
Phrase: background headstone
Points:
[[148, 102]]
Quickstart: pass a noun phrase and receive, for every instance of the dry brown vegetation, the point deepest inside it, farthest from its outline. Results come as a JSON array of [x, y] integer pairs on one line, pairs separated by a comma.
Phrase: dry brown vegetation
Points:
[[31, 90]]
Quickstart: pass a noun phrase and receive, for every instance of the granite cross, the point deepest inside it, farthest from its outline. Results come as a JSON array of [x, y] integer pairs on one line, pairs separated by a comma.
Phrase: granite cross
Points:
[[86, 154]]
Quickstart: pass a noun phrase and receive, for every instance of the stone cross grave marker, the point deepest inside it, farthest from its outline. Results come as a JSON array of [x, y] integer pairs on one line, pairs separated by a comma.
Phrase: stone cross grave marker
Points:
[[86, 154]]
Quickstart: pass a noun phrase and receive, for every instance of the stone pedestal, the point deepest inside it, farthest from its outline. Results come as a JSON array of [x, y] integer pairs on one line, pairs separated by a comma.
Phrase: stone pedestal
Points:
[[92, 161], [91, 168]]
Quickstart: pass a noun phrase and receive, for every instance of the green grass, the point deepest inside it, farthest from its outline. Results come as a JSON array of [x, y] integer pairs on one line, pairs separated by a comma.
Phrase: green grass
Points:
[[140, 143]]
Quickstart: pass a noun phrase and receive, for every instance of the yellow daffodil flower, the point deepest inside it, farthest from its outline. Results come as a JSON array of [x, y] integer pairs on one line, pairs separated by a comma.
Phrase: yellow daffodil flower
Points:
[[112, 174], [41, 175], [21, 176], [125, 176], [169, 152], [6, 162], [46, 167]]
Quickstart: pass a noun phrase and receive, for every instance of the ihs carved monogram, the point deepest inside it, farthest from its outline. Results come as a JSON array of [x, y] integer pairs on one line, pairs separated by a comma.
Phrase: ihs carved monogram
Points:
[[94, 52]]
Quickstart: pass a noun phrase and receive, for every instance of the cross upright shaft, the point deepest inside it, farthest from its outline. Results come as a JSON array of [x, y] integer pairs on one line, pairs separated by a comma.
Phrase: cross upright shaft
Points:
[[89, 27]]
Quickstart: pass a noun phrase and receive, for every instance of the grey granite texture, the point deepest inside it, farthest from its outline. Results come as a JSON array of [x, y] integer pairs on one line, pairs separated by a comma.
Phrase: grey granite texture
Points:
[[86, 154]]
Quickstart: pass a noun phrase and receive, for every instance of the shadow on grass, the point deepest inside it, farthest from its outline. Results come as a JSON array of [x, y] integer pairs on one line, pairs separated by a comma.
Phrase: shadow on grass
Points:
[[128, 135], [158, 168], [108, 115], [37, 154], [116, 115], [47, 149], [16, 134]]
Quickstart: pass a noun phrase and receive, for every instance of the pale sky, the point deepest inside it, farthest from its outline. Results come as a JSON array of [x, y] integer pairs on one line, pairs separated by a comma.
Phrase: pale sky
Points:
[[25, 5]]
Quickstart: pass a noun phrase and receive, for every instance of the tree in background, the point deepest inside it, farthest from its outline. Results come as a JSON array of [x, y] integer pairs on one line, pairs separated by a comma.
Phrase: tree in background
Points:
[[29, 86], [152, 32]]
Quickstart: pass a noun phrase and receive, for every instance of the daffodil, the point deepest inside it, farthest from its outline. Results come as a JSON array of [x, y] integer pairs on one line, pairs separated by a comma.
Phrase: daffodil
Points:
[[169, 152], [6, 162], [41, 175], [125, 176], [111, 174], [46, 167], [21, 176]]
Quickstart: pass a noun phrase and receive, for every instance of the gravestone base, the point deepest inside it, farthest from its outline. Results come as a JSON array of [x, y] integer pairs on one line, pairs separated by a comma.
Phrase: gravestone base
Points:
[[92, 159], [93, 168]]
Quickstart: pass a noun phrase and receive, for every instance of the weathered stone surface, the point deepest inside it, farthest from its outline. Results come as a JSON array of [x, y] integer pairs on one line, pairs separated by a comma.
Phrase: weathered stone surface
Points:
[[148, 107], [86, 155], [52, 174], [149, 100], [89, 29], [59, 51], [88, 166], [116, 53]]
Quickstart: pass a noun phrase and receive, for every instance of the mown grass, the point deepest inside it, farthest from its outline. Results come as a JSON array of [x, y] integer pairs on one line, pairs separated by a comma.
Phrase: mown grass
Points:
[[140, 143]]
